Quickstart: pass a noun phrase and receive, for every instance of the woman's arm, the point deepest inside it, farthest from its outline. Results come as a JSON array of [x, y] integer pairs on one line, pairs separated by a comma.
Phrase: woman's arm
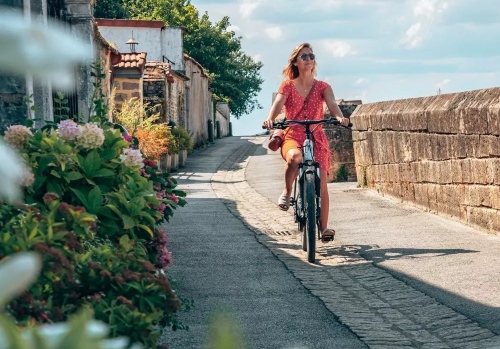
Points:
[[333, 107], [276, 108]]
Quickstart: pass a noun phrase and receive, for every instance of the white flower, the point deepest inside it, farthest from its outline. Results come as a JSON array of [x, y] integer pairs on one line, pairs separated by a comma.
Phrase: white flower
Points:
[[132, 158], [17, 273], [11, 172], [40, 50]]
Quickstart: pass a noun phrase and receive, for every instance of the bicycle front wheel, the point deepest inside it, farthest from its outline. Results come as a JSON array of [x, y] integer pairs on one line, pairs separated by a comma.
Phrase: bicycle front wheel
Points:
[[310, 210]]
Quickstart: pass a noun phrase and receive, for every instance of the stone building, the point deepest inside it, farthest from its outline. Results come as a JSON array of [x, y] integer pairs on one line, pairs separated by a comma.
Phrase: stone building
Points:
[[128, 78], [173, 81], [77, 16], [199, 102]]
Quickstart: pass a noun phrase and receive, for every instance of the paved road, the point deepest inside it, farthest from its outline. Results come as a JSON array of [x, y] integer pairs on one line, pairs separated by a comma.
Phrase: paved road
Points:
[[396, 277], [221, 266]]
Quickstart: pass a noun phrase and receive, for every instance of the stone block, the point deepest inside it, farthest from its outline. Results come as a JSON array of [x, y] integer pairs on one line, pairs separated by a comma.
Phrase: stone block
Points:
[[494, 171], [393, 173], [135, 95], [479, 169], [130, 85], [408, 191], [360, 121], [495, 197], [481, 217], [442, 120], [432, 190], [445, 172], [485, 145], [456, 171], [421, 195], [466, 171], [121, 97], [493, 118]]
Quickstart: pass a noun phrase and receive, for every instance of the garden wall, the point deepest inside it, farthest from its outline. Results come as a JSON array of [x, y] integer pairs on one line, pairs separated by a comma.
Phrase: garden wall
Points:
[[440, 152]]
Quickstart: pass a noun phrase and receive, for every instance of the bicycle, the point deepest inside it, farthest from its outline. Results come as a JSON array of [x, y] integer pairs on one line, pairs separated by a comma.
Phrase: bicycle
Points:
[[306, 200]]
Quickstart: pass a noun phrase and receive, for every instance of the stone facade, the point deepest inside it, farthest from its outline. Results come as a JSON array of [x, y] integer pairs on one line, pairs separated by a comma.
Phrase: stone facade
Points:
[[125, 89], [13, 109], [222, 120], [440, 152], [199, 103]]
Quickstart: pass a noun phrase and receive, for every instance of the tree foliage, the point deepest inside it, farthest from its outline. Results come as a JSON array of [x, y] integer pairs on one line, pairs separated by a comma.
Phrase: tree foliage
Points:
[[235, 76]]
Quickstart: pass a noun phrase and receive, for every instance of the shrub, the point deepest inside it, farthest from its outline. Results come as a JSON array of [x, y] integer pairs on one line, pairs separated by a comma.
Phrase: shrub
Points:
[[115, 280], [155, 138], [183, 138]]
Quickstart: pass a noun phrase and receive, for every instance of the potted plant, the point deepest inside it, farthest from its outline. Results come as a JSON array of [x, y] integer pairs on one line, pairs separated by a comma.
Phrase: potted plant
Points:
[[184, 143]]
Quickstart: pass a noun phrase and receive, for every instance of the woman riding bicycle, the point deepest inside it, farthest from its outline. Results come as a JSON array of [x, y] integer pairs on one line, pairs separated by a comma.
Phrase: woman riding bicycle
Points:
[[303, 96]]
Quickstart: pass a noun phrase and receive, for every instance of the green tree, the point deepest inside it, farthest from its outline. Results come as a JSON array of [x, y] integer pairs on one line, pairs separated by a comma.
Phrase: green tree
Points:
[[110, 9], [235, 75]]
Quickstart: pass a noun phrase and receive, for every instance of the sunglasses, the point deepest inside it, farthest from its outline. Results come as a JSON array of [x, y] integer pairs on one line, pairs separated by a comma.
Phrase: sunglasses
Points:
[[305, 55]]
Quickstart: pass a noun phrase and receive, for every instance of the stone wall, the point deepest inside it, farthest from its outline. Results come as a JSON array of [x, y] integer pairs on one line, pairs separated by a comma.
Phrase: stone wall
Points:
[[199, 105], [126, 89], [13, 109], [440, 152], [342, 166]]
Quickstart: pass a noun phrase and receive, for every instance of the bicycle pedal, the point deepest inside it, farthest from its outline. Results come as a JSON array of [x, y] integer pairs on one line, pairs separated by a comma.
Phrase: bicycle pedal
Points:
[[326, 239]]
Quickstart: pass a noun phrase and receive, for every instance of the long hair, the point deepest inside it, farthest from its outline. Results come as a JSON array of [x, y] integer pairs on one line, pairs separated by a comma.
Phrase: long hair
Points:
[[291, 71]]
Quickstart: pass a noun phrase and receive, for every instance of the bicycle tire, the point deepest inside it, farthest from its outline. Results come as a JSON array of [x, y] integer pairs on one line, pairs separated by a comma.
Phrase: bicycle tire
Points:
[[310, 210]]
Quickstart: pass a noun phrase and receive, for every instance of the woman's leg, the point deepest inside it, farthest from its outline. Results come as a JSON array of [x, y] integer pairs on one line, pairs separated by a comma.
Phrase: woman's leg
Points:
[[293, 158], [325, 202]]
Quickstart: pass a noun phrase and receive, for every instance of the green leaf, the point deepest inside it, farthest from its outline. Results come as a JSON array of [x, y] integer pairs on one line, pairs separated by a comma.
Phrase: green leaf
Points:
[[55, 174], [95, 200], [114, 209], [108, 154], [80, 196], [146, 228], [73, 176], [128, 222], [104, 172], [54, 187], [91, 163]]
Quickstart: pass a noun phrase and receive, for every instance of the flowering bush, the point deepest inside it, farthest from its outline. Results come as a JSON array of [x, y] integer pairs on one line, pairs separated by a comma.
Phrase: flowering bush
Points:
[[122, 288], [164, 185], [92, 212], [142, 122]]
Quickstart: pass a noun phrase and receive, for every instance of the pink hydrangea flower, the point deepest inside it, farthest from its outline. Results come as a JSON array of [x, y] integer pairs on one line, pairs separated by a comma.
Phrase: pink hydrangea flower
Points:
[[27, 178], [132, 158], [17, 136], [69, 130], [91, 137], [173, 197]]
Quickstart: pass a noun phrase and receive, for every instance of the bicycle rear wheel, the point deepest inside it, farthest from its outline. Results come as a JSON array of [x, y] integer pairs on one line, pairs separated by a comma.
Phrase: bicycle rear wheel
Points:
[[310, 210]]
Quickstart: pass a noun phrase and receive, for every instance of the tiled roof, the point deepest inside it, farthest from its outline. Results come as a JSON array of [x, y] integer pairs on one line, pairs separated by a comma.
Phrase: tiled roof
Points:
[[158, 71], [133, 61]]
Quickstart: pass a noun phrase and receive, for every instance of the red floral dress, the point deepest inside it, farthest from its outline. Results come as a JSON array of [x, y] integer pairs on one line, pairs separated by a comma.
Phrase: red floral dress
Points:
[[295, 135]]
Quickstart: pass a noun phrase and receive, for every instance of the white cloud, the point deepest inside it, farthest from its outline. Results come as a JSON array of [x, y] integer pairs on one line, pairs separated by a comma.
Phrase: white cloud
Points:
[[413, 38], [360, 81], [247, 7], [274, 33], [233, 28], [425, 12], [338, 48]]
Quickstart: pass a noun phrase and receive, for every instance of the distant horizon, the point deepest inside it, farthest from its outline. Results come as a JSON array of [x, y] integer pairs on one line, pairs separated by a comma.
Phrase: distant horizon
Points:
[[370, 50]]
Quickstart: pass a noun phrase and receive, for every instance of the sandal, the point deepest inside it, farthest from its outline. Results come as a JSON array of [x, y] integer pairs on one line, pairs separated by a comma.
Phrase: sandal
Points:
[[284, 202], [328, 234]]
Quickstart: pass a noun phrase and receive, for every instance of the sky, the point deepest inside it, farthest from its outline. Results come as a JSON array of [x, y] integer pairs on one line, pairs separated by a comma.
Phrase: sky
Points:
[[373, 50]]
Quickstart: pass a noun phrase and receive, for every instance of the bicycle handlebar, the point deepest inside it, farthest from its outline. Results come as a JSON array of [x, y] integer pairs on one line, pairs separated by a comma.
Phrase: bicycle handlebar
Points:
[[286, 123]]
